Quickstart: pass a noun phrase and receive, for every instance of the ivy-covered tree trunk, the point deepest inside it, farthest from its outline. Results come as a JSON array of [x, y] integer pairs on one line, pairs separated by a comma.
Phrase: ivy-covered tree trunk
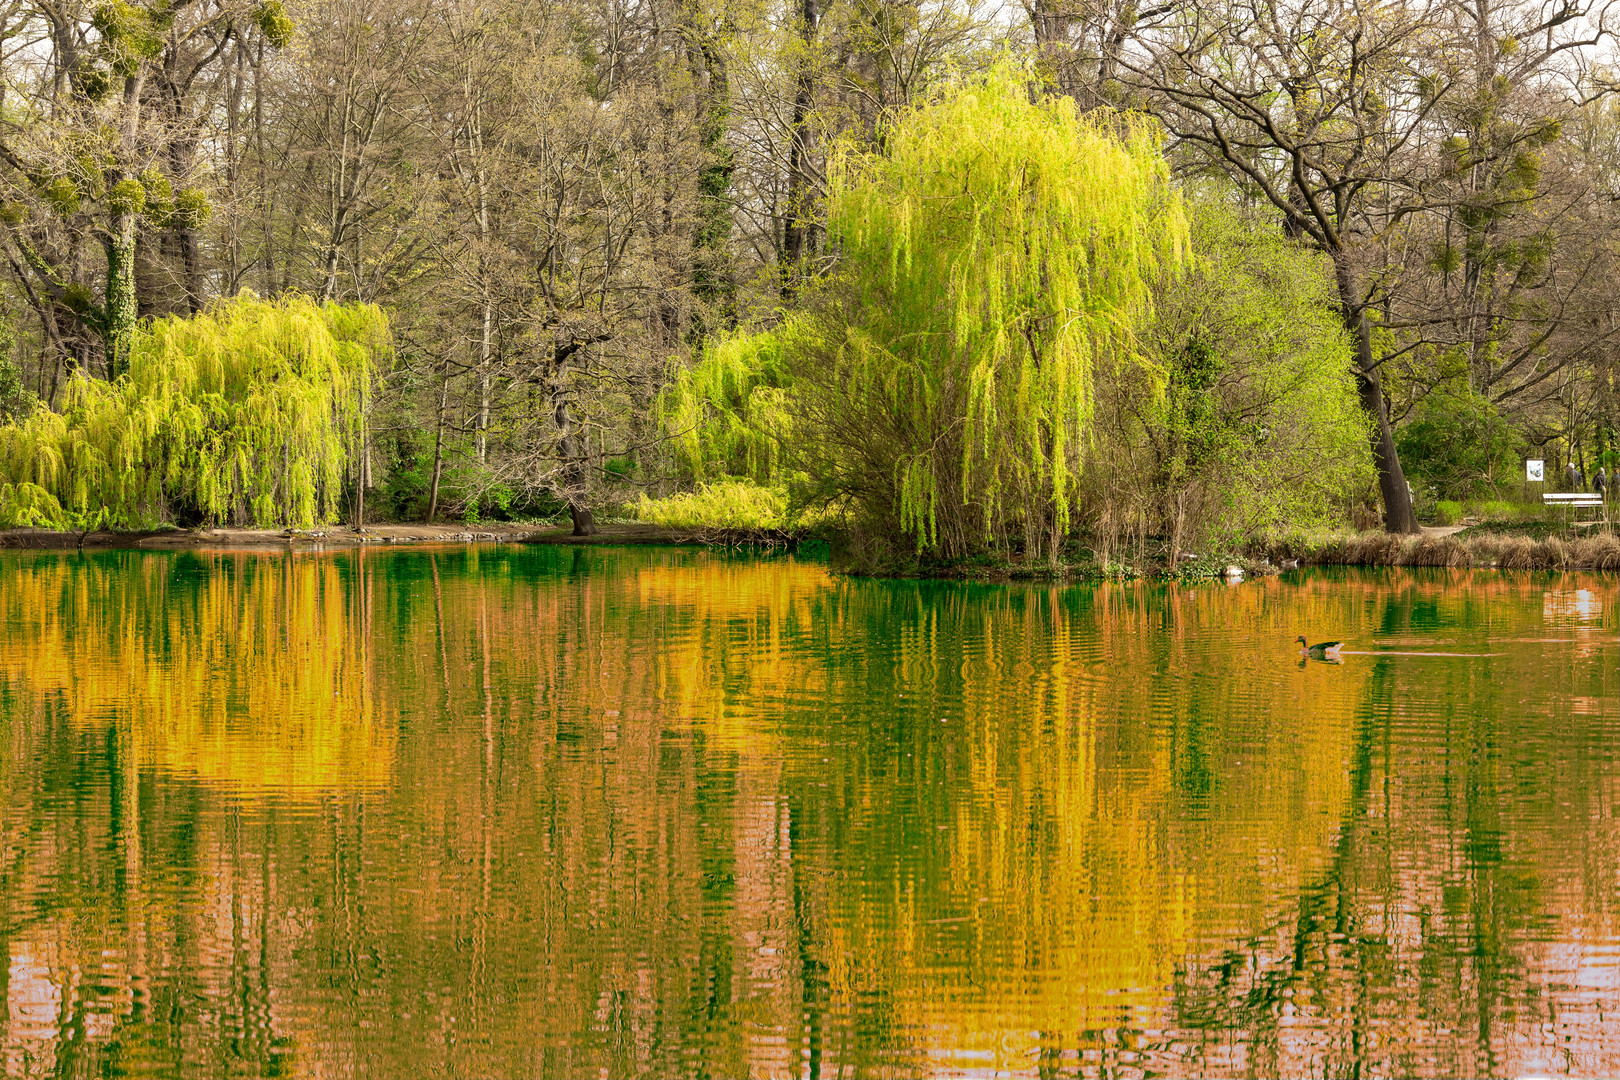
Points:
[[122, 309], [712, 276], [797, 242]]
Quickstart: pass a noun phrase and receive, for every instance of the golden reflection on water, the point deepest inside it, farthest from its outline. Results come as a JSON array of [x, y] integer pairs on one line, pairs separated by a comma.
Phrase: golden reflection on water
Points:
[[254, 675], [654, 812]]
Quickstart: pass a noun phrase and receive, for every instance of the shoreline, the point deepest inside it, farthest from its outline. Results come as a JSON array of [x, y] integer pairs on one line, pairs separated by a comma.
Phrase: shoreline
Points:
[[1434, 547], [339, 536], [282, 539]]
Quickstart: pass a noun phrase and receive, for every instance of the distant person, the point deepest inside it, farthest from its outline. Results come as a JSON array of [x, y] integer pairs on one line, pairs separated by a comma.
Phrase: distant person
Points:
[[1572, 478], [1599, 483]]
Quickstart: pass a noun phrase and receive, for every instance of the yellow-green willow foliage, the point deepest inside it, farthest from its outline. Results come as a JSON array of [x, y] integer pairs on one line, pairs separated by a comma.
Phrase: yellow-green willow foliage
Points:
[[729, 418], [995, 254], [728, 413], [247, 413]]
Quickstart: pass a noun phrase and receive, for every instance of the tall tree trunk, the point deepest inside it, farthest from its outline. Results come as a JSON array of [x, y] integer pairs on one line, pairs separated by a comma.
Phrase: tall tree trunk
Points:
[[1050, 25], [234, 154], [796, 232], [360, 481], [1398, 516], [438, 451], [191, 263], [482, 437], [266, 198], [122, 311], [571, 448], [184, 221], [475, 176], [486, 323]]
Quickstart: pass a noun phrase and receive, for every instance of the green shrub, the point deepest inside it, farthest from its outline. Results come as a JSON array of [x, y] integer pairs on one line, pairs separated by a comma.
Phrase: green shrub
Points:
[[407, 457], [1247, 420], [1447, 512], [1460, 445]]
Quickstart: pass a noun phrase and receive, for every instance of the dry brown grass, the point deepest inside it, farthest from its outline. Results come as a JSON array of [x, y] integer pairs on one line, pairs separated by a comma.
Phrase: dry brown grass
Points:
[[1366, 549], [1600, 552], [1552, 554], [1507, 552], [1437, 551]]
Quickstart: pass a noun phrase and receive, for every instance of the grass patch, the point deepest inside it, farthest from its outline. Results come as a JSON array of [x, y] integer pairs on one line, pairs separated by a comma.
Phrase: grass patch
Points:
[[1534, 530], [1447, 512]]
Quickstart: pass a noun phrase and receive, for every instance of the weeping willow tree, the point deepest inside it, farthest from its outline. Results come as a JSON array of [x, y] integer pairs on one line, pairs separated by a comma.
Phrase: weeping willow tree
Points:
[[728, 419], [996, 256], [249, 413], [728, 414]]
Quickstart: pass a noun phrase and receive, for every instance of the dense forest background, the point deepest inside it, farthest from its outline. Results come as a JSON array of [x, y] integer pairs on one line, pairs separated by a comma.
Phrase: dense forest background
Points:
[[626, 252]]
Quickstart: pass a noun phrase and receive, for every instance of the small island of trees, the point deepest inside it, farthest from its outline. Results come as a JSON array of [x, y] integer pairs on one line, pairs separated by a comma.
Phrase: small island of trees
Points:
[[950, 284]]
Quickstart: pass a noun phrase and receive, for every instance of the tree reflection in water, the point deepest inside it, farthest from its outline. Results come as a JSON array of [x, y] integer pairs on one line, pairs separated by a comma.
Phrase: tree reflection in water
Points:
[[660, 812]]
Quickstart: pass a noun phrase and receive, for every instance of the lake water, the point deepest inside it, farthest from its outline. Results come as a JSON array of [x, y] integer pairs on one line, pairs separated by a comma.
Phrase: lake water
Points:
[[620, 812]]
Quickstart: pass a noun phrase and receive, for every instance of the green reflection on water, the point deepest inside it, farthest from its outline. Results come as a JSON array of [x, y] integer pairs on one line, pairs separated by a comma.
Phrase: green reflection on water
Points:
[[509, 811]]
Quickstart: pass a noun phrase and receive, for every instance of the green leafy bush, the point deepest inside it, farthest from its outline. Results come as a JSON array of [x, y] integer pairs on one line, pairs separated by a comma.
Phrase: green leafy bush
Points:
[[1447, 512], [1460, 445], [1247, 419]]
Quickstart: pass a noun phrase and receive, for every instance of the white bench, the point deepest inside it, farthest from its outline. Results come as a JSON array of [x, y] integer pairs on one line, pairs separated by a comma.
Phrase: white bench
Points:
[[1580, 500]]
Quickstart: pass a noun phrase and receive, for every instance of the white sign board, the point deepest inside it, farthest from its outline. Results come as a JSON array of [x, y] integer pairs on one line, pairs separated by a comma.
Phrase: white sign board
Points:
[[1535, 471]]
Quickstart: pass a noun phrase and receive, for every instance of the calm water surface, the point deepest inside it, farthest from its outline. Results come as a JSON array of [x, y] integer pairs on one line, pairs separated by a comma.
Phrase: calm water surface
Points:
[[621, 812]]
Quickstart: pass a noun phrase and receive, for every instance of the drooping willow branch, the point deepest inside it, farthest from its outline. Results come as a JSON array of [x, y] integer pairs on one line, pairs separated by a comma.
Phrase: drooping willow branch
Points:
[[994, 254], [248, 413]]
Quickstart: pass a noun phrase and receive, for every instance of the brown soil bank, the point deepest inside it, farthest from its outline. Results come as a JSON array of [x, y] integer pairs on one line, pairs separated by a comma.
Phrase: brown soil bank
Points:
[[636, 533], [342, 536], [1600, 552], [334, 536], [1506, 552]]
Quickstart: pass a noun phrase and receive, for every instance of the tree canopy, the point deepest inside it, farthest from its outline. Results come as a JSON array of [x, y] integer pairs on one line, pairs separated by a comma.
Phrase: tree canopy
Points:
[[574, 216], [249, 413], [996, 254]]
